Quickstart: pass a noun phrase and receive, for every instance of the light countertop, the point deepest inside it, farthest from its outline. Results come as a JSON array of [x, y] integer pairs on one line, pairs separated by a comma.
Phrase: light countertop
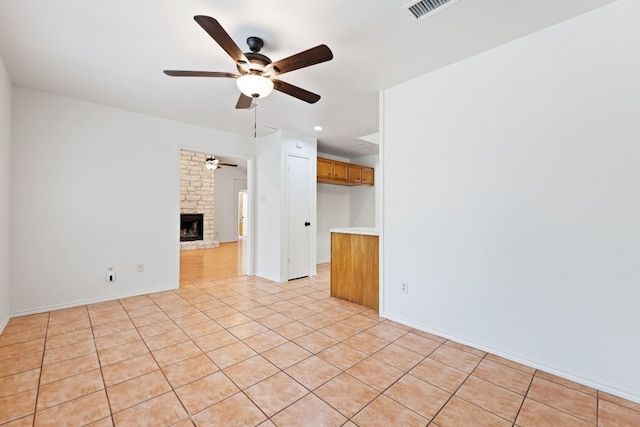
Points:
[[357, 230]]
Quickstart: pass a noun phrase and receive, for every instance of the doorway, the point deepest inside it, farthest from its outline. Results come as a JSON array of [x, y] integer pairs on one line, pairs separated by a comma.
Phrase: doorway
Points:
[[230, 255]]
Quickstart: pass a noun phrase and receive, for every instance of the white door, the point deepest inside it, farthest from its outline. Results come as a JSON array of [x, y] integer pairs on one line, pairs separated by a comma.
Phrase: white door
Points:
[[298, 202]]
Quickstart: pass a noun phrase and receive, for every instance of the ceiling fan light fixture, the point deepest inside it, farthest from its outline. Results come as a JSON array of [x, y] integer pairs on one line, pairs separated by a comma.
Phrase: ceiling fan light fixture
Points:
[[255, 86], [211, 163]]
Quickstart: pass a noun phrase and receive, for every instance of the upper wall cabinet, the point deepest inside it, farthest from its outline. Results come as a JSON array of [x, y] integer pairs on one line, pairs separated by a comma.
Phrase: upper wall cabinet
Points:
[[341, 173]]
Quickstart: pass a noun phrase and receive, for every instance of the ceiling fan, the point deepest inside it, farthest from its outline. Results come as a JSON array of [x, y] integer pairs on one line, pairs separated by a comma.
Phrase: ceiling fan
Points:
[[212, 163], [258, 74]]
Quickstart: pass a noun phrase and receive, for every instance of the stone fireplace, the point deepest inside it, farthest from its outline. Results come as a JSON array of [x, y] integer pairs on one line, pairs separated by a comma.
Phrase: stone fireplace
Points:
[[196, 198]]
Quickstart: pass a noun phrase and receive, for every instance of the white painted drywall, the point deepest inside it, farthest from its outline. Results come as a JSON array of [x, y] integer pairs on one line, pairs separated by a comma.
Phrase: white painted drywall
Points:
[[525, 238], [333, 212], [92, 187], [333, 205], [362, 212], [5, 192], [269, 193], [225, 220]]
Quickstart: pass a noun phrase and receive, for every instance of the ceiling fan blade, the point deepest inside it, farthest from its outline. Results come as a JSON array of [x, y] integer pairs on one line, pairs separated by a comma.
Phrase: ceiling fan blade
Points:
[[295, 91], [215, 30], [244, 102], [228, 164], [179, 73], [312, 56]]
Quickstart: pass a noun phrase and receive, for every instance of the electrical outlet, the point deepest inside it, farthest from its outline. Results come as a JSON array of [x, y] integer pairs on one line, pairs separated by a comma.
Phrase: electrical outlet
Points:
[[404, 288], [140, 267], [111, 275]]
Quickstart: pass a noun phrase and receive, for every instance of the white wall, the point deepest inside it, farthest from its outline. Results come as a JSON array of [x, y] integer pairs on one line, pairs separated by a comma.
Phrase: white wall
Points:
[[333, 207], [269, 194], [226, 202], [93, 187], [524, 240], [333, 212], [362, 212], [5, 192]]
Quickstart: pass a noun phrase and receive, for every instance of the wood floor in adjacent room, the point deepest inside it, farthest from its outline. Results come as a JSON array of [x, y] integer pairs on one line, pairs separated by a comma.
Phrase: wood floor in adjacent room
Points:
[[243, 351], [219, 263]]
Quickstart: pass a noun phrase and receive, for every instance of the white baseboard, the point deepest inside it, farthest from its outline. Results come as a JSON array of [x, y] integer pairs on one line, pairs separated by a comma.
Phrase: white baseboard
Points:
[[90, 301], [584, 381], [269, 277]]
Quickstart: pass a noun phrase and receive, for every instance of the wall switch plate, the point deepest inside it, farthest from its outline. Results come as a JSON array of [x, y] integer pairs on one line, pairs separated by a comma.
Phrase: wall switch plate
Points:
[[111, 275], [404, 288], [140, 267]]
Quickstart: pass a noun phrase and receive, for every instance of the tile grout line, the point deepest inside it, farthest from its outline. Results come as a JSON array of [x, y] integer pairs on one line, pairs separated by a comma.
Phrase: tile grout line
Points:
[[244, 293], [525, 397], [264, 379], [222, 370], [407, 372], [173, 390], [283, 370], [268, 418], [104, 383], [565, 386], [44, 348], [597, 407], [456, 390]]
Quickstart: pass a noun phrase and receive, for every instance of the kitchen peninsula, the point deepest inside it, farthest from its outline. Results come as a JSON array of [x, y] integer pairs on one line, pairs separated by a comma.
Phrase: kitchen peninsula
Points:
[[354, 265]]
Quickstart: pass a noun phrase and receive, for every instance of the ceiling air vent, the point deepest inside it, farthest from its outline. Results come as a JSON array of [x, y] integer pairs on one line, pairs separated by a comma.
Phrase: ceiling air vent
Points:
[[423, 8]]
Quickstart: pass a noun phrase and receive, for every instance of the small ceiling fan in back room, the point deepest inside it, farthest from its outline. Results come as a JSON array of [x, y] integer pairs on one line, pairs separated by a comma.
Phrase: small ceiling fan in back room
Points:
[[258, 74], [212, 163]]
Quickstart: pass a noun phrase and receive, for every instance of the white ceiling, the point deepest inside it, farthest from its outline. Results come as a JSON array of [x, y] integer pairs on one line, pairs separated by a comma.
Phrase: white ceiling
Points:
[[113, 53]]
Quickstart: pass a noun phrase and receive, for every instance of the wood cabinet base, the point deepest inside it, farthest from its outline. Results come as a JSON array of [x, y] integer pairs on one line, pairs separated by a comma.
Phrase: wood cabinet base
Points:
[[354, 268]]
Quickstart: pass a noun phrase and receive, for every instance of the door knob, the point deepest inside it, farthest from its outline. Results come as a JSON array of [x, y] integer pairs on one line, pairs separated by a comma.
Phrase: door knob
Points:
[[306, 224]]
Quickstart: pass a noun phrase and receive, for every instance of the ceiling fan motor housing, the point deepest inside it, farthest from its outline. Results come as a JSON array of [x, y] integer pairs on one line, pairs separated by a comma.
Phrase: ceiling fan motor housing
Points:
[[257, 63]]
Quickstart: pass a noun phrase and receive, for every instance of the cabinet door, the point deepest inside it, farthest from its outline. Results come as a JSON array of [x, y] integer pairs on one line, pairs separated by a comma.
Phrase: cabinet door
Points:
[[325, 168], [355, 174], [340, 171], [367, 175]]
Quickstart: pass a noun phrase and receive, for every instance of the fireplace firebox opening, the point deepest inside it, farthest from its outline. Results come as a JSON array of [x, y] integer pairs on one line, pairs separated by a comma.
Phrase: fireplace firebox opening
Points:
[[191, 227]]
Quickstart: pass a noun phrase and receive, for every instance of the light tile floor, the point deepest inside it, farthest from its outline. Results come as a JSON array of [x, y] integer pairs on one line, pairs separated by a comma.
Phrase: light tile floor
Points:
[[247, 352]]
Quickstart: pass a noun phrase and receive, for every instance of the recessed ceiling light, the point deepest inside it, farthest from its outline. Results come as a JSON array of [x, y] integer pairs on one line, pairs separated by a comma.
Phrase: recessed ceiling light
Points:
[[317, 128]]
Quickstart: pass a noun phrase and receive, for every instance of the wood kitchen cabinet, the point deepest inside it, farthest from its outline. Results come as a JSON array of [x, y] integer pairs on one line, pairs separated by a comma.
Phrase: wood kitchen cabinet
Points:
[[331, 171], [367, 176], [354, 267], [341, 173], [325, 169], [355, 174]]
